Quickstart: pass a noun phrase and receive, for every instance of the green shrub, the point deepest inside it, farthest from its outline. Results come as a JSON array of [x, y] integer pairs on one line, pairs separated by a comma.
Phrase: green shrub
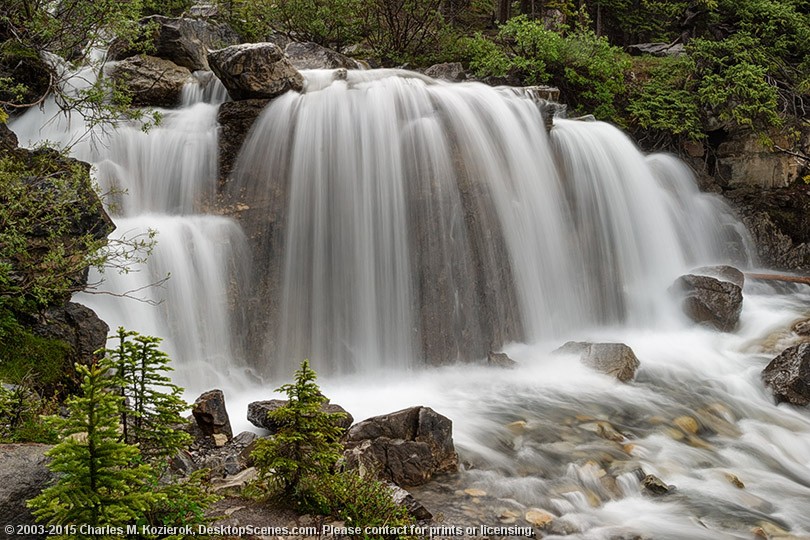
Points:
[[306, 444], [20, 411]]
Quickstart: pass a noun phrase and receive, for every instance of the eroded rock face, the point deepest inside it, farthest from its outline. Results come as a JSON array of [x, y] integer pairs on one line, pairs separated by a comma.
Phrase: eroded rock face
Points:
[[211, 415], [312, 56], [23, 475], [615, 359], [153, 81], [788, 375], [711, 301], [255, 70], [257, 414], [183, 41], [407, 447]]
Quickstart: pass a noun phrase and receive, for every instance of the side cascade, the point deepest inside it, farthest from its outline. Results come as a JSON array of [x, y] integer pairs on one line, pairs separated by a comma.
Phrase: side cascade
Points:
[[405, 220]]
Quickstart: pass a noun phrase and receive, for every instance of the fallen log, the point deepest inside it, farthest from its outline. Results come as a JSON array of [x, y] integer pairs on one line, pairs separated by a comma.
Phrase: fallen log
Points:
[[779, 277]]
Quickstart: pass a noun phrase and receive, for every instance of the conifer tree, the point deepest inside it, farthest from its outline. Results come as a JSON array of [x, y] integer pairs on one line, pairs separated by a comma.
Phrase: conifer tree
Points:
[[306, 444], [152, 403], [101, 480]]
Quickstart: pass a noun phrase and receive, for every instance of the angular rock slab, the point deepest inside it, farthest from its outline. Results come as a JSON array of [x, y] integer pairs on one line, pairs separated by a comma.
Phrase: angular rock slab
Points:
[[312, 56], [255, 70], [23, 474], [258, 410], [788, 375], [153, 81], [615, 359], [211, 415], [407, 447], [710, 301]]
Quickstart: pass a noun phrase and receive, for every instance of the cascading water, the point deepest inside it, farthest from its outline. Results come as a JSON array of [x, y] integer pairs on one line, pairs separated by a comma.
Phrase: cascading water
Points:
[[435, 222], [392, 221]]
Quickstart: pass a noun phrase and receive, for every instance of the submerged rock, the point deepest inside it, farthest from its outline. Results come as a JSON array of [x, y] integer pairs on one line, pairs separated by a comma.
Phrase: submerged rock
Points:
[[258, 410], [709, 300], [211, 415], [407, 447], [615, 359], [255, 70], [153, 81], [788, 375]]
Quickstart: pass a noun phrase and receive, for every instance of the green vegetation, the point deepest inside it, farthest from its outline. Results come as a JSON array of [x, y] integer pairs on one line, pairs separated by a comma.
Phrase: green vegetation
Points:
[[298, 463], [101, 479], [152, 413], [104, 480], [306, 444]]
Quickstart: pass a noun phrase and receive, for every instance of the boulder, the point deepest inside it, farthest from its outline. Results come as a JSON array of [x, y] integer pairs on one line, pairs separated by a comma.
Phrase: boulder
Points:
[[723, 273], [656, 49], [77, 325], [312, 56], [500, 360], [182, 40], [407, 447], [153, 81], [449, 71], [709, 300], [402, 497], [788, 375], [615, 359], [255, 70], [211, 415], [258, 410], [23, 475]]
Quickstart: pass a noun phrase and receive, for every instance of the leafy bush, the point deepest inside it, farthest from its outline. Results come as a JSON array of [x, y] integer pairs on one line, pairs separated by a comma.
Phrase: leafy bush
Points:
[[588, 70], [20, 411]]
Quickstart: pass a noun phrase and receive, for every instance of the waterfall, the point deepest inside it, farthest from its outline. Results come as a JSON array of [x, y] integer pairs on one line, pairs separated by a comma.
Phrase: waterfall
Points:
[[424, 221], [162, 180]]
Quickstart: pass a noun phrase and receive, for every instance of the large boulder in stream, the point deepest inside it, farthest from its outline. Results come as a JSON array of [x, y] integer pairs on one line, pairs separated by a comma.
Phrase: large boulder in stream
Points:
[[211, 415], [449, 71], [407, 447], [255, 70], [713, 298], [788, 375], [153, 81], [258, 411], [614, 359]]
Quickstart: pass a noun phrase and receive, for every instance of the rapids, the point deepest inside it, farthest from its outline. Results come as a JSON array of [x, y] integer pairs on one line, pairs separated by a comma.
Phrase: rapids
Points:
[[422, 223]]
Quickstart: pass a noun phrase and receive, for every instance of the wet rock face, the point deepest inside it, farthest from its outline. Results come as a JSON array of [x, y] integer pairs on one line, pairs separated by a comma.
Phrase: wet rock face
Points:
[[255, 70], [407, 447], [76, 325], [211, 415], [711, 301], [258, 410], [450, 71], [23, 475], [235, 119], [615, 359], [788, 375], [153, 81]]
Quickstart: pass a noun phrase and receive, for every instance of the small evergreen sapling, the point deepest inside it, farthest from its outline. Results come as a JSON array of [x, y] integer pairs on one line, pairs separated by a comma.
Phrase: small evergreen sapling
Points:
[[102, 481], [306, 444]]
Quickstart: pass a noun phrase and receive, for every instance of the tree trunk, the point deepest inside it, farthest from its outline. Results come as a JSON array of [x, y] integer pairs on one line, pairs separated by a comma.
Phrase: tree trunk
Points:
[[504, 10]]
